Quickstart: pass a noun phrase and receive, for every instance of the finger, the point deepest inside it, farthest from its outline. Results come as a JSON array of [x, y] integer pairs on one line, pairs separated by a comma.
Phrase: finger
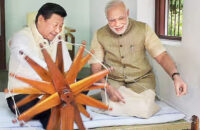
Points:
[[114, 99], [184, 90], [123, 101], [120, 97], [181, 91], [177, 91]]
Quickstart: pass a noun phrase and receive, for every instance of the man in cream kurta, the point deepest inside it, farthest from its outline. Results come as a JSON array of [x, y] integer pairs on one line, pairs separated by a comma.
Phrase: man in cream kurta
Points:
[[27, 41], [46, 31], [122, 44]]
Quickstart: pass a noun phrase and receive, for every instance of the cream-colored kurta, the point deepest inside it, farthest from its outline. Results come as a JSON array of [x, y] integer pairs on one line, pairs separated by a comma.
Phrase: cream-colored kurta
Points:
[[28, 40], [126, 53]]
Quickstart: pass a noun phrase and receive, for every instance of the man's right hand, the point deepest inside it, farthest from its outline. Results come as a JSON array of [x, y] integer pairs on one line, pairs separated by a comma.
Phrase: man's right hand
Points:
[[114, 94]]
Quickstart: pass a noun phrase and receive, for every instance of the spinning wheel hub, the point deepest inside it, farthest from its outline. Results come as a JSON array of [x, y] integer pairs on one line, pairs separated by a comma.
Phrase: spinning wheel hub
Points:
[[67, 96]]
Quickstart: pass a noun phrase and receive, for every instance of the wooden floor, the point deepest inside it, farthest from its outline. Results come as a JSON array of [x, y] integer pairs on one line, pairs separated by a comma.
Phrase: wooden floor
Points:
[[177, 125], [3, 80]]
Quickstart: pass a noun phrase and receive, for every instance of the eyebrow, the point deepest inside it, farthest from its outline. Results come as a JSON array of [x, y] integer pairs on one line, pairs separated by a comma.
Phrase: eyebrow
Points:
[[117, 18]]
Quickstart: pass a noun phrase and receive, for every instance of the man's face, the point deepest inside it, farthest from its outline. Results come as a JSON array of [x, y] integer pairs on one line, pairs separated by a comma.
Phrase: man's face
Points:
[[117, 17], [49, 28]]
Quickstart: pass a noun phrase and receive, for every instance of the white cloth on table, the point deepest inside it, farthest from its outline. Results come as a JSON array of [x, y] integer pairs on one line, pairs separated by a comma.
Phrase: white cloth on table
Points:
[[7, 116], [140, 105], [166, 114]]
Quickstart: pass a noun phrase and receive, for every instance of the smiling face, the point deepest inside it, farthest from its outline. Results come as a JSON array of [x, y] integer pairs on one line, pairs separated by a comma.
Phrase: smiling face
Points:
[[49, 28], [117, 17]]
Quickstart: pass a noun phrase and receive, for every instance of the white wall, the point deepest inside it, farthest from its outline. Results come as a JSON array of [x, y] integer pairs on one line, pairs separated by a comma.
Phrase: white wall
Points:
[[185, 54], [187, 57], [77, 10], [146, 12]]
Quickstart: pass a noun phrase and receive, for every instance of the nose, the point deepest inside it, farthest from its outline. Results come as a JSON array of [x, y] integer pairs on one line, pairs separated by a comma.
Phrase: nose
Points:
[[117, 23], [58, 29]]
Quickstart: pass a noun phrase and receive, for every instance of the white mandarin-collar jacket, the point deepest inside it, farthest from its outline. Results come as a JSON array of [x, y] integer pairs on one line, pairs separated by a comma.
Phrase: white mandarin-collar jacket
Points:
[[28, 40]]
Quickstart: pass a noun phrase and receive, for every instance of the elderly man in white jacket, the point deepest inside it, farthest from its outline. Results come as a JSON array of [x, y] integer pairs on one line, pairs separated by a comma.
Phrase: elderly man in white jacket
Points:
[[46, 30]]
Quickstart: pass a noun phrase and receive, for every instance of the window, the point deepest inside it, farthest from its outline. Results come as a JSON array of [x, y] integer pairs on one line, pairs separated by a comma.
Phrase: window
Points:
[[169, 17]]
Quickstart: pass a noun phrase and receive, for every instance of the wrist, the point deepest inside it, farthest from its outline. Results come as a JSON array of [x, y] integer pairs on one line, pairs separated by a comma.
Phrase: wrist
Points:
[[106, 86], [174, 75]]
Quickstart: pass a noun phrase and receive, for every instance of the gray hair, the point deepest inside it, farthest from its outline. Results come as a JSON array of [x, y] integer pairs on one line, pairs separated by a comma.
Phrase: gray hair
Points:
[[112, 3]]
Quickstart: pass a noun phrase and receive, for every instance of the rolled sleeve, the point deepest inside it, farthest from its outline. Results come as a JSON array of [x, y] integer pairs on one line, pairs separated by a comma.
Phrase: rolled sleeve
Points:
[[153, 43], [98, 51]]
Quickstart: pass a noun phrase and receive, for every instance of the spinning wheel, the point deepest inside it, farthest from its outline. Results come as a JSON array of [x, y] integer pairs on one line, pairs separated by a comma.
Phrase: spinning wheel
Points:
[[60, 92]]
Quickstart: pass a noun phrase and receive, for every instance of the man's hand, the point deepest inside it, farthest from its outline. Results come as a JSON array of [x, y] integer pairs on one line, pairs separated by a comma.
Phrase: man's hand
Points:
[[169, 66], [114, 94], [180, 86]]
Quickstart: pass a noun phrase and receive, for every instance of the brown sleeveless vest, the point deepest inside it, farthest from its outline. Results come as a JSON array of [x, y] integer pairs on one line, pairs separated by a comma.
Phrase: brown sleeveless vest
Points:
[[126, 52]]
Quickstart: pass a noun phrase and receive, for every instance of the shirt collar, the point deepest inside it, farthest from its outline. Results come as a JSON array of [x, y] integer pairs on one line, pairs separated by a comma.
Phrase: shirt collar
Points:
[[37, 36]]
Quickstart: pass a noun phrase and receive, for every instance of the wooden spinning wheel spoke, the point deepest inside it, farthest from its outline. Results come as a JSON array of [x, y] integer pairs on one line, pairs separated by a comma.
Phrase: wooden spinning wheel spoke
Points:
[[44, 97], [93, 87], [59, 58], [78, 119], [67, 117], [60, 92], [83, 111], [86, 100], [54, 120], [88, 81], [85, 60], [56, 75], [44, 105], [26, 100], [25, 90], [44, 74], [74, 69], [42, 86]]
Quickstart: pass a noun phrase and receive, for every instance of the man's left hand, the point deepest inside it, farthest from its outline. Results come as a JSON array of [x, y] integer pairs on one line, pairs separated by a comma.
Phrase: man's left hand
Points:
[[180, 86]]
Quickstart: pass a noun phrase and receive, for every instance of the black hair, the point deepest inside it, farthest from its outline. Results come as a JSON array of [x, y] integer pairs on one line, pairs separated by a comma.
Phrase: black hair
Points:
[[50, 8]]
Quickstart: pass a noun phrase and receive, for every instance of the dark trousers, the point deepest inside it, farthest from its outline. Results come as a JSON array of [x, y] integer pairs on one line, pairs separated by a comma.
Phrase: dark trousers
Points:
[[42, 117]]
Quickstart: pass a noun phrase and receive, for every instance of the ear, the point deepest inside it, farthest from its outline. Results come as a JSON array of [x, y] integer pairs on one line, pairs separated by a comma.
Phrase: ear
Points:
[[127, 12], [40, 18]]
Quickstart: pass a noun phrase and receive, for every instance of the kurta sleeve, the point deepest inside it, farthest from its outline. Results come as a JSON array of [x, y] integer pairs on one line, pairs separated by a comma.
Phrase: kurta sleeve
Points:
[[99, 51], [152, 43]]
